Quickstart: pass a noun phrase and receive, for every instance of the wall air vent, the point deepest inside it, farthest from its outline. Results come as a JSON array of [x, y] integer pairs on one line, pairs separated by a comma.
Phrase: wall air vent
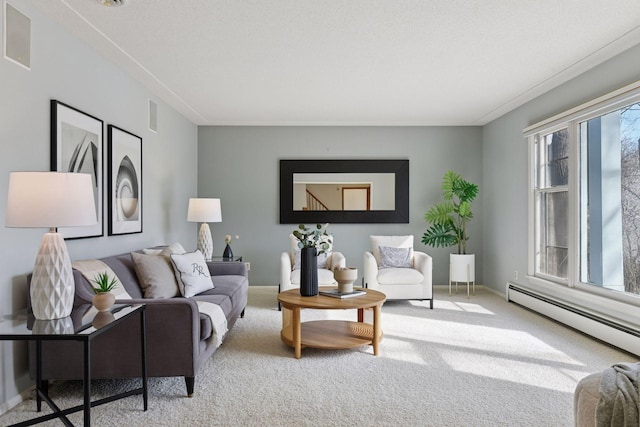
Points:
[[153, 116], [17, 36]]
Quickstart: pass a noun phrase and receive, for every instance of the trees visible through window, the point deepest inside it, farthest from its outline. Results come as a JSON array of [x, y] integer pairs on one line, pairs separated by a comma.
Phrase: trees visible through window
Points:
[[630, 130], [552, 202], [585, 197], [610, 200]]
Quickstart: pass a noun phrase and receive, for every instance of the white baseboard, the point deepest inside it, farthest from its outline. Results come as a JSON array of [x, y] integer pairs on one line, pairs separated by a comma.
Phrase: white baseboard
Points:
[[16, 400]]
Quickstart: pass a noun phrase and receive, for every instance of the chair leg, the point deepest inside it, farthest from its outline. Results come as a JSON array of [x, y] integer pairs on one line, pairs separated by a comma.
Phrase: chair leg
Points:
[[431, 303], [279, 305]]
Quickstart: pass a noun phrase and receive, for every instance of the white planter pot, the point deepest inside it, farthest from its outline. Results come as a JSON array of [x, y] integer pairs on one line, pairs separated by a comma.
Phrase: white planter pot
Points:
[[103, 301], [462, 268]]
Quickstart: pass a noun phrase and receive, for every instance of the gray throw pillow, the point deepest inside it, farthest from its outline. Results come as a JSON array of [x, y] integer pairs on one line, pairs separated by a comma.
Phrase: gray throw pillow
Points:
[[156, 276], [395, 257]]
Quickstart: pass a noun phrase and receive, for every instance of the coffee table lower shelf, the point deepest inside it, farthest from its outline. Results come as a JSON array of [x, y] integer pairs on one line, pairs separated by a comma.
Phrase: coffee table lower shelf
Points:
[[331, 334]]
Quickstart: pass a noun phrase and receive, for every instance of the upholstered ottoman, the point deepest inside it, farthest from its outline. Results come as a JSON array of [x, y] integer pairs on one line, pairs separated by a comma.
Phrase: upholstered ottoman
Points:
[[585, 400], [611, 397]]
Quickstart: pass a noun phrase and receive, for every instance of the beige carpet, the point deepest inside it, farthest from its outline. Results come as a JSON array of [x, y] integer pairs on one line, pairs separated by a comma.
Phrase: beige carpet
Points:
[[469, 362]]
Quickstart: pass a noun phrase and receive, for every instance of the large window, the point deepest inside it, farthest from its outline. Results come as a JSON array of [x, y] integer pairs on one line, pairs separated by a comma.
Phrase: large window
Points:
[[610, 200], [585, 207]]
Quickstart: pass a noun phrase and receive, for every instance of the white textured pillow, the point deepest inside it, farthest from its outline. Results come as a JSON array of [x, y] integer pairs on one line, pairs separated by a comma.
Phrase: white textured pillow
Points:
[[395, 257], [193, 273], [392, 242], [323, 259], [174, 248]]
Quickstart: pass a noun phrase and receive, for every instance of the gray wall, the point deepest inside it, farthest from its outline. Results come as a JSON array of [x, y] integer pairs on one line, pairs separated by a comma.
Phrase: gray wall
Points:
[[241, 166], [65, 69], [504, 152]]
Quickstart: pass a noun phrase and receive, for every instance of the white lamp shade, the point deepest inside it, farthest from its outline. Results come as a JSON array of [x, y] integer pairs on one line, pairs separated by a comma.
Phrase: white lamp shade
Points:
[[50, 199], [204, 210]]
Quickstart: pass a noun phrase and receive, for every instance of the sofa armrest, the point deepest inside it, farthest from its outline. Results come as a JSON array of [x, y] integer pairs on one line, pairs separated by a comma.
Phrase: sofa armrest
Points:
[[184, 327], [370, 275], [227, 268], [423, 263], [336, 260], [285, 271]]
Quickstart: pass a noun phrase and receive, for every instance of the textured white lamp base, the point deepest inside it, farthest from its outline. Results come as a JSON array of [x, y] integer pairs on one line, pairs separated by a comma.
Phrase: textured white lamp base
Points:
[[205, 242], [52, 287], [53, 327]]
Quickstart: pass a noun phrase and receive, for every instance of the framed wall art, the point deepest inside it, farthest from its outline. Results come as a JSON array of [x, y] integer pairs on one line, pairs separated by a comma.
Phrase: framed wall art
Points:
[[77, 146], [125, 181]]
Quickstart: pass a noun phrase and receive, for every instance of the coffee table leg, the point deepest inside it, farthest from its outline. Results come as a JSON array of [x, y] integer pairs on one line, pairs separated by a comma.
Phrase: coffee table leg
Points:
[[376, 329], [361, 315], [297, 332]]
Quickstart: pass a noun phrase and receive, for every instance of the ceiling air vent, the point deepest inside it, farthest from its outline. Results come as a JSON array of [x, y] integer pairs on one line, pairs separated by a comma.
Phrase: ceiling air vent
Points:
[[111, 2]]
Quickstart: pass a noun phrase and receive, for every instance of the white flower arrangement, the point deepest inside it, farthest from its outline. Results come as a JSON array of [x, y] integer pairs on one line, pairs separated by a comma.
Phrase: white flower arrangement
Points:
[[227, 238]]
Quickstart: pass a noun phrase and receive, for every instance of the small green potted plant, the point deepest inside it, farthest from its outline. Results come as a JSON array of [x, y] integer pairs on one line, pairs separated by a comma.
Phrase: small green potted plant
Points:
[[448, 221], [312, 242], [103, 298]]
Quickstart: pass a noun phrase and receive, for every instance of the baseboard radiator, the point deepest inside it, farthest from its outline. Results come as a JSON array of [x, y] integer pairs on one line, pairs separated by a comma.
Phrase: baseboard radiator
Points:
[[600, 327]]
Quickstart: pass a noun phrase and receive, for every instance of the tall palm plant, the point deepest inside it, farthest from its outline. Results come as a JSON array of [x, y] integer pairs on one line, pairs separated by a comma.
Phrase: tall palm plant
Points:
[[448, 219]]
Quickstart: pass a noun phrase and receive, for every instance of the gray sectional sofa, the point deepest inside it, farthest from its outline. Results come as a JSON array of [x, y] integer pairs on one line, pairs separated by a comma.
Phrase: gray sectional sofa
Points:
[[179, 338]]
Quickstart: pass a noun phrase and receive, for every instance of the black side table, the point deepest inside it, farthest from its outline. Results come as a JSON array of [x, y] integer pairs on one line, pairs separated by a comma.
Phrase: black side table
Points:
[[88, 325], [237, 258]]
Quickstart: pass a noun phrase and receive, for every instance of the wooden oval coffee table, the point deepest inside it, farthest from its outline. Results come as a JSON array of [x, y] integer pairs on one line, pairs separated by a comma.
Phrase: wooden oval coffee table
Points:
[[330, 334]]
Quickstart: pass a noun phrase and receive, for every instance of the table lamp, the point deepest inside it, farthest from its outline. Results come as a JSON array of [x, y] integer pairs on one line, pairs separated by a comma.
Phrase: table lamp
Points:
[[204, 211], [51, 200]]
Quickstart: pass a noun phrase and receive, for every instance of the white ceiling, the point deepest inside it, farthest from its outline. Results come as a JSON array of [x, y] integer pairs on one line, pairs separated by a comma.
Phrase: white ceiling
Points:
[[351, 62]]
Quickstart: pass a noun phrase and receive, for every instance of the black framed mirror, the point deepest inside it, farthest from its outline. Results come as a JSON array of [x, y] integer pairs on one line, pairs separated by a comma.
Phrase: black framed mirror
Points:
[[344, 191]]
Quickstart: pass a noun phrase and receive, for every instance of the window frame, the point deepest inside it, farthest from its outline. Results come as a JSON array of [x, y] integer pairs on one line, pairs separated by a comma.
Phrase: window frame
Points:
[[570, 120], [538, 191]]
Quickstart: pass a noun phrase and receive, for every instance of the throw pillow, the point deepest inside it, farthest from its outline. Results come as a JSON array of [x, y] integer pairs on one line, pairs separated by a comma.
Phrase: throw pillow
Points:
[[395, 257], [156, 275], [174, 248], [152, 251], [392, 242], [194, 273], [323, 260]]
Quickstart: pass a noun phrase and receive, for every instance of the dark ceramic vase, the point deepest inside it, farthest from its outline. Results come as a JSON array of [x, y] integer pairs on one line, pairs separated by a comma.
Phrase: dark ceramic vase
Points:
[[228, 253], [309, 272]]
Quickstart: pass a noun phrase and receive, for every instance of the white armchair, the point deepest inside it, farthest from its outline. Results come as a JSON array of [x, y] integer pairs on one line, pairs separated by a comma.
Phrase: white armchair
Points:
[[290, 270], [394, 268]]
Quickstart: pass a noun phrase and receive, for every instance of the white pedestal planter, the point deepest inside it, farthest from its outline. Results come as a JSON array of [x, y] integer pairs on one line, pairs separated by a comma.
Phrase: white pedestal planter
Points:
[[462, 268]]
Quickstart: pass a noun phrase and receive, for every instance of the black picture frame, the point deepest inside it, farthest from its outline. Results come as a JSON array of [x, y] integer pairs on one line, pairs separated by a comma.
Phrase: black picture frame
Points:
[[77, 146], [400, 169], [124, 164]]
